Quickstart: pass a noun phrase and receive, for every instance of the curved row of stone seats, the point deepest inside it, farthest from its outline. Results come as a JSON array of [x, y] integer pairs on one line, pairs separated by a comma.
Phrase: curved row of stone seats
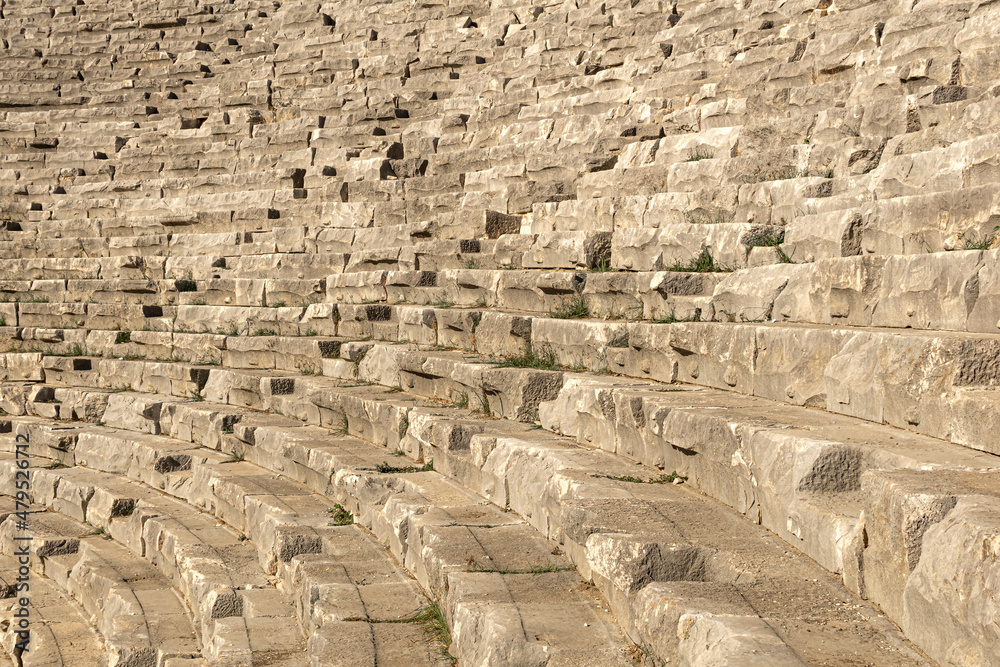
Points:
[[271, 521], [803, 504], [871, 390], [700, 572], [772, 22], [290, 530], [187, 305], [140, 617], [214, 571], [563, 339], [61, 633]]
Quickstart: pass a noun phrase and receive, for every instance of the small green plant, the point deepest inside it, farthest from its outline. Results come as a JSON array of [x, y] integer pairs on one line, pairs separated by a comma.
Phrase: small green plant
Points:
[[278, 304], [394, 390], [444, 304], [196, 395], [310, 333], [701, 153], [55, 465], [384, 467], [463, 401], [242, 537], [983, 244], [123, 337], [343, 430], [703, 263], [602, 265], [544, 360], [571, 309], [76, 350], [766, 237], [3, 321], [484, 405], [265, 332], [340, 516], [235, 457], [435, 629]]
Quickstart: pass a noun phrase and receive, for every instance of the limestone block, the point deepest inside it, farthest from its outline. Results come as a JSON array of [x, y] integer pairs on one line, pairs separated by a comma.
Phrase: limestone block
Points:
[[133, 412], [659, 249], [822, 235], [537, 290], [360, 287], [567, 250], [951, 594], [503, 335], [928, 291], [23, 367]]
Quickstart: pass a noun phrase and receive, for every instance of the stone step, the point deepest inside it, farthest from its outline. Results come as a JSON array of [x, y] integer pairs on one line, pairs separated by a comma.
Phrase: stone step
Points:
[[951, 291], [767, 360], [61, 633], [140, 616], [212, 568]]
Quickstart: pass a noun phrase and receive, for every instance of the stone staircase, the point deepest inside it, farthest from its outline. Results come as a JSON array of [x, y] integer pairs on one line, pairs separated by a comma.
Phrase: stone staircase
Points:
[[514, 333]]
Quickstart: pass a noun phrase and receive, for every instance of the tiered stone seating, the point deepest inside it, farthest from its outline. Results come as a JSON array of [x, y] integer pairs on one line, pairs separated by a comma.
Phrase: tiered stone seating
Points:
[[525, 333]]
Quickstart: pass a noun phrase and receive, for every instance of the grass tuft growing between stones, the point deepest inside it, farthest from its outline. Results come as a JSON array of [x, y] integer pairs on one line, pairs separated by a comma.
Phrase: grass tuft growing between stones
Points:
[[671, 318], [340, 516], [766, 238], [123, 337], [384, 467], [472, 565], [435, 629], [700, 153], [571, 309], [545, 360], [984, 243], [703, 263]]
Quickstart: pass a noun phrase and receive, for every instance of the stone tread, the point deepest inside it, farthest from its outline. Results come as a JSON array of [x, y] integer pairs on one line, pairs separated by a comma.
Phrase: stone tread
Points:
[[61, 632], [139, 614]]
